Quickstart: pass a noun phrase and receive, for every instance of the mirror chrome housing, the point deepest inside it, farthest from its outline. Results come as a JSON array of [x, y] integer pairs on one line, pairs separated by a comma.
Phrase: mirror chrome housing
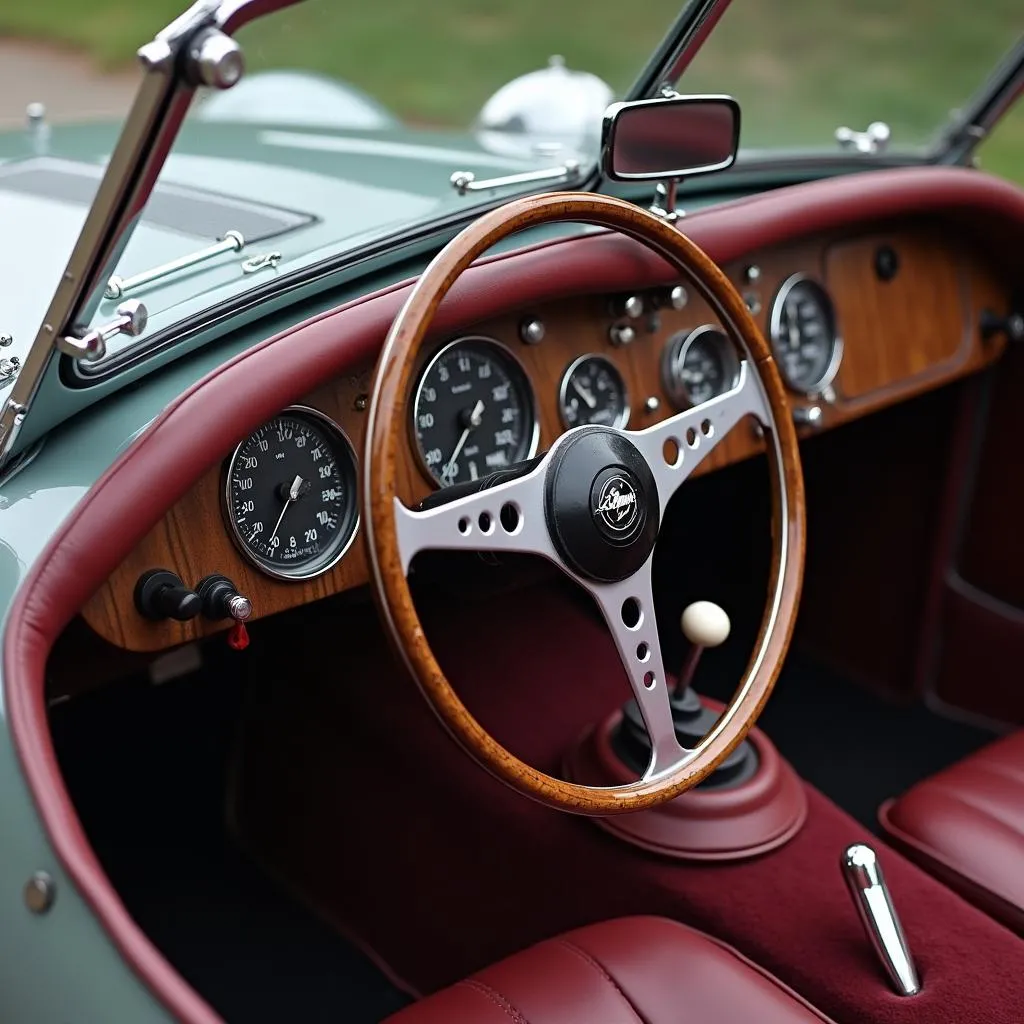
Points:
[[669, 137]]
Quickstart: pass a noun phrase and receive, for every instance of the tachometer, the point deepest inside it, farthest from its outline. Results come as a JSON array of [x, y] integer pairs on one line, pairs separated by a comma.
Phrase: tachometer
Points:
[[802, 327], [290, 495], [698, 365], [473, 412], [593, 391]]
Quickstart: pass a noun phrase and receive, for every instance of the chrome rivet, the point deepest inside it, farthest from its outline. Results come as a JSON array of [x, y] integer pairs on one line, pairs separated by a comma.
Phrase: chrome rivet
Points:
[[6, 340], [678, 297], [633, 306], [652, 404], [621, 334], [751, 273], [40, 892], [753, 302], [216, 59], [532, 331], [361, 402]]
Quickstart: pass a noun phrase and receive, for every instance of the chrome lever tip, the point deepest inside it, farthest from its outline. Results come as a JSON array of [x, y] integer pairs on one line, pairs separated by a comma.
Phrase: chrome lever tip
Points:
[[870, 893]]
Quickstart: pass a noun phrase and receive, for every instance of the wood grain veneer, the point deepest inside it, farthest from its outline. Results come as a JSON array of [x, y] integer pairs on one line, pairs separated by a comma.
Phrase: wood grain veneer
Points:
[[900, 338]]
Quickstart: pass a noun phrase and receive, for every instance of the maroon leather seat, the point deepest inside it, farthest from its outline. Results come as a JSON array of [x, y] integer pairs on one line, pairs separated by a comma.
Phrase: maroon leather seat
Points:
[[637, 970], [966, 826]]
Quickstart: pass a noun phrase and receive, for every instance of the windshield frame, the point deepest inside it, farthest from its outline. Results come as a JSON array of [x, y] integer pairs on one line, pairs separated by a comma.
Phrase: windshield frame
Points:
[[170, 78]]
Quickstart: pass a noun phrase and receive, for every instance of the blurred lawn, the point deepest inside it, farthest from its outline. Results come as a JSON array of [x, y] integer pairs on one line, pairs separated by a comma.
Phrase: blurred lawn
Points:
[[798, 67]]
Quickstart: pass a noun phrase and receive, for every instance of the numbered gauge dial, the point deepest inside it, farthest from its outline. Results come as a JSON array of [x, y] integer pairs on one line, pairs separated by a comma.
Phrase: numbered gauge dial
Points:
[[473, 412], [803, 333], [699, 365], [290, 495], [593, 391]]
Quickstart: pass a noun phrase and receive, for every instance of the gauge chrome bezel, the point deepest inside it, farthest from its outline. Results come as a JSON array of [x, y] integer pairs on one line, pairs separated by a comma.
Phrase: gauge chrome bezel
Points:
[[816, 389], [505, 352], [333, 429], [674, 355], [623, 418]]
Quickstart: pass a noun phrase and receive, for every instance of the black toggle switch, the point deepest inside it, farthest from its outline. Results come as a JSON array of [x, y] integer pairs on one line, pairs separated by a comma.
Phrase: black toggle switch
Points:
[[1012, 325], [160, 594]]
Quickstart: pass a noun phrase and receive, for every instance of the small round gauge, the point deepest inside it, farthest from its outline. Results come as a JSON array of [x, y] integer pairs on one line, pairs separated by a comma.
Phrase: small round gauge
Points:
[[290, 495], [802, 326], [593, 391], [698, 365], [473, 413]]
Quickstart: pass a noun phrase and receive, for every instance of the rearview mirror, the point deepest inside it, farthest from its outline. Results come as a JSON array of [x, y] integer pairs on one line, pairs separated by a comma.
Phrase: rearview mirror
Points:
[[676, 137]]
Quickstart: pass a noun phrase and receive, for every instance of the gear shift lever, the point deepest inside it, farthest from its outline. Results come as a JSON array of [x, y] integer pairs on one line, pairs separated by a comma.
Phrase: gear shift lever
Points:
[[705, 625]]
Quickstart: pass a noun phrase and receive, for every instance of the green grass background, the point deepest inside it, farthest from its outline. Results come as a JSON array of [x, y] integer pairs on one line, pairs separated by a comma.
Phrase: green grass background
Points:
[[798, 67]]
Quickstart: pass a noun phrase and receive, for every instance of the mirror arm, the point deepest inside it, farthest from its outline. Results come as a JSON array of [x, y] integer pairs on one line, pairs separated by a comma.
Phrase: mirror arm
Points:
[[664, 205]]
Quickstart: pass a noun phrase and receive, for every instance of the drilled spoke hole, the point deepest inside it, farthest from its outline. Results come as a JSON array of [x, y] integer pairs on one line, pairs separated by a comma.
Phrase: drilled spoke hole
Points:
[[671, 452], [643, 652], [510, 517], [649, 680], [632, 613], [692, 438], [707, 428], [485, 522], [465, 526]]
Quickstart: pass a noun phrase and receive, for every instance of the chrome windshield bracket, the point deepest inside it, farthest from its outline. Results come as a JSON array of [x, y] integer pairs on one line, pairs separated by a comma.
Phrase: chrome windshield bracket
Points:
[[117, 287], [465, 181], [194, 49]]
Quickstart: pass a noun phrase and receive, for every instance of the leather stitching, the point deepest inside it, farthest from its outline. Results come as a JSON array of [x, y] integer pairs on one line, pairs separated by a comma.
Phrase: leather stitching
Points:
[[495, 997], [597, 966]]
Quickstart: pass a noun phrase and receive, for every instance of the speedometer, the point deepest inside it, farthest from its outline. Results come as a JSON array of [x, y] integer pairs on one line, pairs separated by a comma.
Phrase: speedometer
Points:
[[803, 334], [290, 495], [473, 412]]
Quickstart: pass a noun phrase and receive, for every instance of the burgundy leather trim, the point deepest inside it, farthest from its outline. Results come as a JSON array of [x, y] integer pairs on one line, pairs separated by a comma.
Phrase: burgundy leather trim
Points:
[[195, 431], [648, 970], [955, 876]]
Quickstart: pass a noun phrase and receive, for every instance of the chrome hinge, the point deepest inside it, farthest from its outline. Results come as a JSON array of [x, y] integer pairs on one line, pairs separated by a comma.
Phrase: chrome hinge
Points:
[[873, 140], [132, 317]]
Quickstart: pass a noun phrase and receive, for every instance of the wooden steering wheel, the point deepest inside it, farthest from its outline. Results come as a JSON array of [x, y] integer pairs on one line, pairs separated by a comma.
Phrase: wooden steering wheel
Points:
[[592, 505]]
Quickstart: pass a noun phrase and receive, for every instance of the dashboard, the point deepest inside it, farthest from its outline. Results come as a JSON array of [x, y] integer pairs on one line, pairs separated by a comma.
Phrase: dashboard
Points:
[[856, 321]]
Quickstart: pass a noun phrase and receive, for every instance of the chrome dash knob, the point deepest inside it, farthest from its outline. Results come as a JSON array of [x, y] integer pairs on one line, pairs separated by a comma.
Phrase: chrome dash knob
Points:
[[864, 879]]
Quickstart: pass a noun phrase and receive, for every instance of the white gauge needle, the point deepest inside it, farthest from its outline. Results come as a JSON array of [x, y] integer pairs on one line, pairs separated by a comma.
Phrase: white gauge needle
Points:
[[584, 393], [472, 419], [295, 491]]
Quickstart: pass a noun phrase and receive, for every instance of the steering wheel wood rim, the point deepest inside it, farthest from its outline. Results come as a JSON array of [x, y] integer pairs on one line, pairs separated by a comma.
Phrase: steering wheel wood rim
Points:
[[386, 432]]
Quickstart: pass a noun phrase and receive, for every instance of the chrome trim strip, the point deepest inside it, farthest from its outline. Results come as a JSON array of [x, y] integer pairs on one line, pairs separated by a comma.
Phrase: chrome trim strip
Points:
[[333, 428], [774, 326]]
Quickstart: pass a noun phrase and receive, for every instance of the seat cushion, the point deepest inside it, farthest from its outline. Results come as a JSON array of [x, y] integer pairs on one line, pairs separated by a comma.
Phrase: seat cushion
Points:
[[966, 825], [636, 969]]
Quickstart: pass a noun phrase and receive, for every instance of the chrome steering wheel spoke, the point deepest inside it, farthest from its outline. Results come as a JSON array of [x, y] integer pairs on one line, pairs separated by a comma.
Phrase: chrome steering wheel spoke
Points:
[[508, 517], [628, 609], [676, 446]]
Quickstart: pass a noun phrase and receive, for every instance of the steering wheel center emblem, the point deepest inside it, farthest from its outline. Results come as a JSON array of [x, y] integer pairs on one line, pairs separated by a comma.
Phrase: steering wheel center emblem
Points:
[[618, 506]]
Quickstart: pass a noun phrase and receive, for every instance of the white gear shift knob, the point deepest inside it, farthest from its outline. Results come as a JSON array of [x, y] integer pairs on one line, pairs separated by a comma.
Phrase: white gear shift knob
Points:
[[704, 624]]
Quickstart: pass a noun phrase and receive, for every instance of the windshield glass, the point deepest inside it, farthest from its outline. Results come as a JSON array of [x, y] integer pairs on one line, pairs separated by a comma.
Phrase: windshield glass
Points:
[[352, 119], [803, 68]]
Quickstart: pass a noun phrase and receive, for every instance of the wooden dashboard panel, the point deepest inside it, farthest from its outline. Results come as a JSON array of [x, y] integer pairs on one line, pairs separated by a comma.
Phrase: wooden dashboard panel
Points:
[[900, 337]]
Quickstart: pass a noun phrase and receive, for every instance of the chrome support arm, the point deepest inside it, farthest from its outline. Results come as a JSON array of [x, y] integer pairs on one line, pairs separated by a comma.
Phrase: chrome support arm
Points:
[[132, 317], [465, 181], [117, 287]]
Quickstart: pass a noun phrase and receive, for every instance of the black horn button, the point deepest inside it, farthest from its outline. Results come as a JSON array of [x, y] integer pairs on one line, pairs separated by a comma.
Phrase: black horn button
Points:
[[602, 505]]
